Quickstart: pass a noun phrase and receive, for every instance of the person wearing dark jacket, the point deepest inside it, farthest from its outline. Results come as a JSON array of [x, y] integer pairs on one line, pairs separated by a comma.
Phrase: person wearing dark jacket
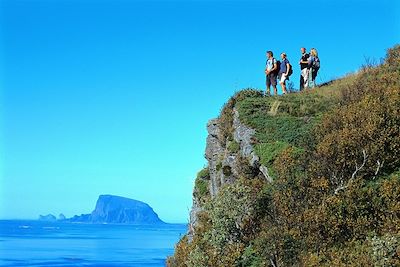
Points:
[[303, 68]]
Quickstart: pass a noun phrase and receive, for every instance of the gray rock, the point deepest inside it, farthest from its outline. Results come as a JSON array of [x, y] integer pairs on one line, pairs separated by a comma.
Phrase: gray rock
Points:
[[196, 209], [264, 171], [214, 156], [214, 150], [244, 135], [212, 127]]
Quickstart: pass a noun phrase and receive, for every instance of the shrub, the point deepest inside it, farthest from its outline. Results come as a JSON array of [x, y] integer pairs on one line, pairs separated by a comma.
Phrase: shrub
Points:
[[250, 258], [268, 152], [244, 168], [218, 165], [201, 191], [226, 170], [181, 253], [233, 147], [204, 174], [369, 125], [386, 250], [349, 254]]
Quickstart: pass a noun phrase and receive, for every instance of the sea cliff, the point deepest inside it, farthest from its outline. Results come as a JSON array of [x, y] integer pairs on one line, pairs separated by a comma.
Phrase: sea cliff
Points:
[[306, 179]]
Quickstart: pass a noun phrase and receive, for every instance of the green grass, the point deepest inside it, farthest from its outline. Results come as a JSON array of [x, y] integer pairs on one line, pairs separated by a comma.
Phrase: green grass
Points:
[[308, 103], [201, 188], [201, 184], [269, 151], [283, 121], [233, 146], [204, 174]]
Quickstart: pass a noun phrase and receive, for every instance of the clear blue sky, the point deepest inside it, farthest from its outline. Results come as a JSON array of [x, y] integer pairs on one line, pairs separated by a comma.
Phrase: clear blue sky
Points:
[[113, 97]]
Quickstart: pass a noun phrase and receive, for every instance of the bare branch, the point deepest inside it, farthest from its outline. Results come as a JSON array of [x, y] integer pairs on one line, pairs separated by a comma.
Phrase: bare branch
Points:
[[343, 186], [339, 189], [378, 167], [337, 181], [362, 165]]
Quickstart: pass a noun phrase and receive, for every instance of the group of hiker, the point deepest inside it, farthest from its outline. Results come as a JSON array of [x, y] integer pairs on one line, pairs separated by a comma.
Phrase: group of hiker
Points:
[[277, 70]]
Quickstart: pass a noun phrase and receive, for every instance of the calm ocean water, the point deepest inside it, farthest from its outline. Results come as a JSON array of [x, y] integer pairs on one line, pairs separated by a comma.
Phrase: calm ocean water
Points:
[[35, 243]]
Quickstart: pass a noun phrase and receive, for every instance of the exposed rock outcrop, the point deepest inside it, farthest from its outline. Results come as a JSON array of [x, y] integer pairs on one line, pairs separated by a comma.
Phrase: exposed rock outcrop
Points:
[[214, 151], [225, 164]]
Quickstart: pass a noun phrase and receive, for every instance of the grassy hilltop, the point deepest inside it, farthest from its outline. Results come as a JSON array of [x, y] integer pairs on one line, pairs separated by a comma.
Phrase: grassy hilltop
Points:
[[334, 155]]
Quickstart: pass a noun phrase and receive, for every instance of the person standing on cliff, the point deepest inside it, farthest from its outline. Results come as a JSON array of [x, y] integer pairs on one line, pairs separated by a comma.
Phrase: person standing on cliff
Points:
[[313, 67], [284, 72], [303, 68], [271, 73]]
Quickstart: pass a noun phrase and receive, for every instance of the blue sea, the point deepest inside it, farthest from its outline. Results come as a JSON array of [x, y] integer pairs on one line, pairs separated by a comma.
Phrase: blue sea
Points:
[[36, 243]]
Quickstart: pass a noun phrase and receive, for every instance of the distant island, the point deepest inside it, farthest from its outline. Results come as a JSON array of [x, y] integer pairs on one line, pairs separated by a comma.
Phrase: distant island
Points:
[[47, 218], [113, 209]]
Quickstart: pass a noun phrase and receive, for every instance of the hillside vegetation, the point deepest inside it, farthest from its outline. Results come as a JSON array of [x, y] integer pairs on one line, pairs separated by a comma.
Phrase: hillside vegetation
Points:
[[333, 153]]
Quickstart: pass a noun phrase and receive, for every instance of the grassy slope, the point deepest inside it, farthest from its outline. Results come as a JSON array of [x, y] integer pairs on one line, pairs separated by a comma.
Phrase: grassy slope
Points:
[[284, 121]]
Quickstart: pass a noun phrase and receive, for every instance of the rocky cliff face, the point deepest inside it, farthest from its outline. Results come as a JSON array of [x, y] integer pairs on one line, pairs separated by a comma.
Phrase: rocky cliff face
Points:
[[115, 209], [228, 159]]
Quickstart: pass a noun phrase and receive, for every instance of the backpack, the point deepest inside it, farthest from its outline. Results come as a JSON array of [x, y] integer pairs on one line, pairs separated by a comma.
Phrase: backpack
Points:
[[316, 64], [278, 66], [290, 72]]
